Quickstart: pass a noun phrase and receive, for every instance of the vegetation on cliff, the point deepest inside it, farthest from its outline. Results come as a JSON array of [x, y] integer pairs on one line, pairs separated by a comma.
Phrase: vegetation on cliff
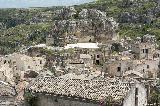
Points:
[[25, 27]]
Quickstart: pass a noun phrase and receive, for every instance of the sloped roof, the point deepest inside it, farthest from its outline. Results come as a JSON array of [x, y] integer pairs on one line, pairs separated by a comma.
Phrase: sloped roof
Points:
[[133, 72], [88, 89]]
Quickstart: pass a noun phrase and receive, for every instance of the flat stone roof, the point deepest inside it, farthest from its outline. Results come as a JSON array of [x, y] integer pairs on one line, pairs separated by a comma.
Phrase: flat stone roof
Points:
[[82, 45]]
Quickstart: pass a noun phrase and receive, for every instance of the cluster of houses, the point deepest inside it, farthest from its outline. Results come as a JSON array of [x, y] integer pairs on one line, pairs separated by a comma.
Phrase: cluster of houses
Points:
[[85, 67], [137, 65], [89, 67], [16, 71]]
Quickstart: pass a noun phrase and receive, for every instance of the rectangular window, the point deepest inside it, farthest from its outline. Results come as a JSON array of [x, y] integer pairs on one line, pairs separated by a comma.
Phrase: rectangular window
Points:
[[146, 50], [29, 67], [40, 61], [119, 69], [136, 91], [147, 66], [143, 70], [136, 97], [143, 50], [129, 68]]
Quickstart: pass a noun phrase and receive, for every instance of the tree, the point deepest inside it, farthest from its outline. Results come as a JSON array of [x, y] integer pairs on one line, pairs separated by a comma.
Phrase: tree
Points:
[[109, 101], [155, 96], [30, 99]]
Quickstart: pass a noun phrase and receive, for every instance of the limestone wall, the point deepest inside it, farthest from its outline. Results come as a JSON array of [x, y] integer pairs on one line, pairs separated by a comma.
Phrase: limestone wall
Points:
[[141, 95], [7, 101], [44, 100]]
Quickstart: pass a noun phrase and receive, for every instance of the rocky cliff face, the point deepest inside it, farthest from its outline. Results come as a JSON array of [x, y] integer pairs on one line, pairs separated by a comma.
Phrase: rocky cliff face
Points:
[[91, 25]]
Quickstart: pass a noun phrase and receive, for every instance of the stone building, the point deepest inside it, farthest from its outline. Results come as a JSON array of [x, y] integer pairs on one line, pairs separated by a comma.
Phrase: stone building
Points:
[[117, 67], [52, 91], [78, 58], [132, 68], [143, 48], [89, 50], [19, 64], [140, 61], [7, 73]]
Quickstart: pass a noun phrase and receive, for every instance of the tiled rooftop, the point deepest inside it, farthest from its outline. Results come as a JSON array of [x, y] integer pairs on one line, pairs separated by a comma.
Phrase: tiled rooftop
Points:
[[89, 89]]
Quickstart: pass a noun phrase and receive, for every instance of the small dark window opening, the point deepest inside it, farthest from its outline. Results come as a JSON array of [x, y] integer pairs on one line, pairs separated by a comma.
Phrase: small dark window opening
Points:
[[40, 61], [119, 69], [143, 51], [85, 52], [147, 66], [97, 62], [141, 40], [136, 91], [136, 97], [146, 50], [56, 100], [143, 70], [97, 56], [9, 61], [5, 61], [29, 67], [129, 68]]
